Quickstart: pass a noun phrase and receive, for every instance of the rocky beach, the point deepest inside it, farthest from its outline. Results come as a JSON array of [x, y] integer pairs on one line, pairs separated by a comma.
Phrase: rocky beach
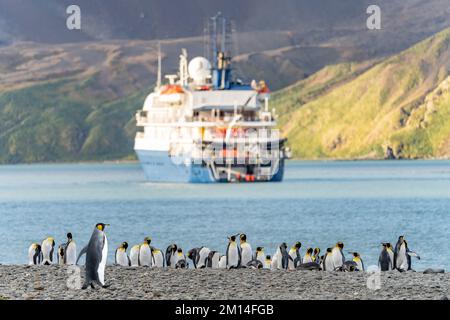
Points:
[[62, 283]]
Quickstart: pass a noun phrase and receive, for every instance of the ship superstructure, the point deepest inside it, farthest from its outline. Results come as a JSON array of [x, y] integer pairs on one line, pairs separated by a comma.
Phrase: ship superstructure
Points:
[[205, 126]]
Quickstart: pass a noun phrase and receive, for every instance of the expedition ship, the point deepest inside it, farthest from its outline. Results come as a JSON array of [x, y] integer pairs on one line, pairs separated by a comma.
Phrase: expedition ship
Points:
[[205, 126]]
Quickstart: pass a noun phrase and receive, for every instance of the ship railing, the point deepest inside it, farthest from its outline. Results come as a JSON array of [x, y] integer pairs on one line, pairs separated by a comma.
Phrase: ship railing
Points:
[[160, 116]]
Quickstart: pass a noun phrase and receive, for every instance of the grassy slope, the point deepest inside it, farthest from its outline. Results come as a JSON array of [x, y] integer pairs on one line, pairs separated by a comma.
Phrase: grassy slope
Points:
[[60, 121], [383, 106]]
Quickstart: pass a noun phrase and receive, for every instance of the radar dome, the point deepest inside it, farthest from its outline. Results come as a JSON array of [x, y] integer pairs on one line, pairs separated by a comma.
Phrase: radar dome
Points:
[[199, 70]]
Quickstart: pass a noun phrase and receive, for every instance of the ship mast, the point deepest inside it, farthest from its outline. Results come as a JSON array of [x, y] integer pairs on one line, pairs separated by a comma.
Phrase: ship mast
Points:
[[158, 81]]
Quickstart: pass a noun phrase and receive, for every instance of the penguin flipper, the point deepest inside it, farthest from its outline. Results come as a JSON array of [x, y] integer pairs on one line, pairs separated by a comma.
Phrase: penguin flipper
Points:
[[82, 252], [413, 254]]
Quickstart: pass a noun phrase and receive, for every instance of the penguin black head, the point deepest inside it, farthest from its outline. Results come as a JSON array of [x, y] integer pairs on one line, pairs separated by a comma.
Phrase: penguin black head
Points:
[[232, 238], [243, 237], [298, 245], [192, 253], [69, 236], [309, 251], [101, 226], [340, 245], [179, 250], [316, 251], [329, 250], [173, 248], [147, 240], [259, 249], [268, 257], [125, 245], [61, 251], [355, 254]]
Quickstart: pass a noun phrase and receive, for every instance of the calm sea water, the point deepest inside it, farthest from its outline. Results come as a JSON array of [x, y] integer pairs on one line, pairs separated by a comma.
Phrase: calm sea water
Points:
[[319, 203]]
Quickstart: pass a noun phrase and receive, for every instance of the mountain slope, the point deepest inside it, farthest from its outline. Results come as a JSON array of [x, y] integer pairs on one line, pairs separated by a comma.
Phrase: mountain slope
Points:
[[387, 106]]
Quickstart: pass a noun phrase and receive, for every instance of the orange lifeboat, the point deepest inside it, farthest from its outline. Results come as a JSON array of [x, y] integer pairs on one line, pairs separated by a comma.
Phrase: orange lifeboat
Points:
[[172, 89]]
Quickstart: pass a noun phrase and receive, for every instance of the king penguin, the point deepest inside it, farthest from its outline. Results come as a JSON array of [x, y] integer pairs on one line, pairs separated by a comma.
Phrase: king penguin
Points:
[[203, 255], [158, 258], [308, 258], [402, 255], [294, 253], [171, 255], [180, 260], [223, 262], [385, 261], [359, 262], [212, 261], [34, 254], [145, 253], [316, 256], [121, 256], [277, 259], [60, 254], [246, 250], [327, 263], [47, 247], [281, 257], [134, 255], [259, 255], [233, 253], [96, 256], [267, 262], [337, 256], [70, 258]]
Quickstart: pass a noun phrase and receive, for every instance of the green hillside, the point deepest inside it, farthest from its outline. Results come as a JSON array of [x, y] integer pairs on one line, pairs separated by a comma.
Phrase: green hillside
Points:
[[402, 103], [345, 111], [62, 121]]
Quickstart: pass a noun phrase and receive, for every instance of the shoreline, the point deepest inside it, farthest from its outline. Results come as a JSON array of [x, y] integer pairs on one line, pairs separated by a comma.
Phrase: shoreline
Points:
[[21, 282], [87, 162]]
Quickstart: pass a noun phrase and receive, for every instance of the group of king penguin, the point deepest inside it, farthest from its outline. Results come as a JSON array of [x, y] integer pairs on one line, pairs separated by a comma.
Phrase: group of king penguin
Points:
[[237, 255], [42, 253]]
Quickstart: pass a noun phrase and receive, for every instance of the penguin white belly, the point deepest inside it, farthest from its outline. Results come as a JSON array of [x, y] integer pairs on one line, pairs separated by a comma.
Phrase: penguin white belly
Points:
[[277, 260], [47, 252], [134, 256], [329, 263], [391, 257], [71, 253], [31, 253], [232, 256], [267, 264], [291, 264], [307, 259], [336, 257], [121, 258], [215, 261], [223, 262], [274, 263], [145, 256], [174, 260], [246, 254], [261, 257], [102, 265], [359, 265], [158, 259], [402, 261], [204, 252]]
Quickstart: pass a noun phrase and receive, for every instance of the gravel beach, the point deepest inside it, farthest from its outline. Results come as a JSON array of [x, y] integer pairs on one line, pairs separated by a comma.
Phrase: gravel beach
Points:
[[59, 282]]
